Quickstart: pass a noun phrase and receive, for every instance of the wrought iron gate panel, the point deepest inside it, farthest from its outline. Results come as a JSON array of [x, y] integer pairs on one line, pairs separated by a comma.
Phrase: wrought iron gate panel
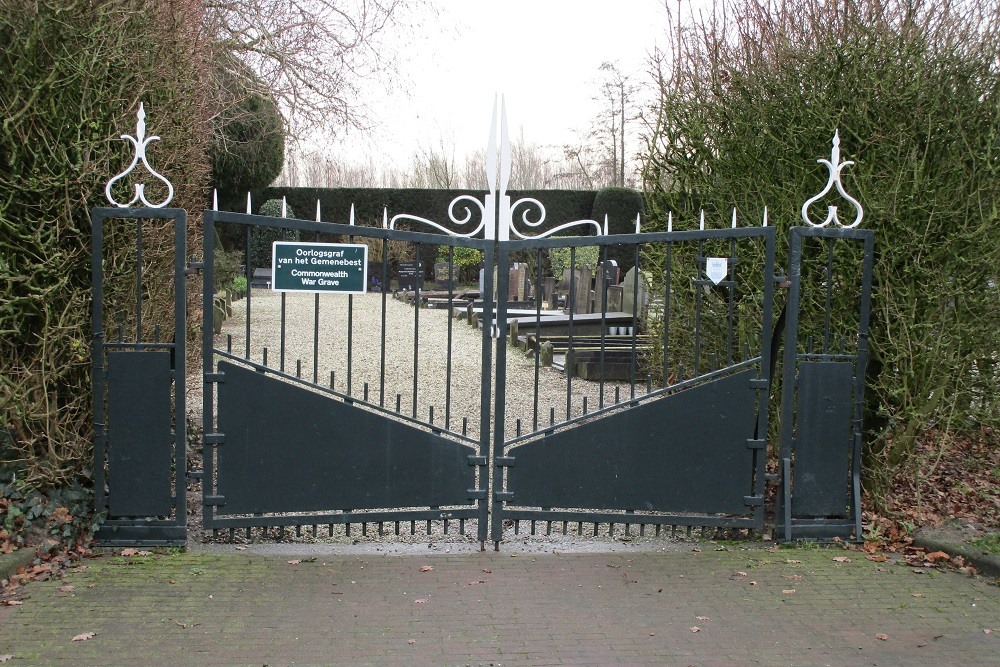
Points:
[[825, 357], [286, 447], [692, 449], [139, 417]]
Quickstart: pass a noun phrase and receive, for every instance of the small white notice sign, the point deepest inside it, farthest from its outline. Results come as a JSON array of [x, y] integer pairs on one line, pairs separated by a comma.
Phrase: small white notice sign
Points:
[[716, 268]]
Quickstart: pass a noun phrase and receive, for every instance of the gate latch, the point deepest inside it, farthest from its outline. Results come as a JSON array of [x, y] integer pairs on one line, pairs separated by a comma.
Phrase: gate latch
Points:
[[195, 266]]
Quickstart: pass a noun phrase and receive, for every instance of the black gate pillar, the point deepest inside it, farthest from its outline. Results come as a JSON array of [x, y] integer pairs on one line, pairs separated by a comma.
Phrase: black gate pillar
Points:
[[140, 470], [825, 356]]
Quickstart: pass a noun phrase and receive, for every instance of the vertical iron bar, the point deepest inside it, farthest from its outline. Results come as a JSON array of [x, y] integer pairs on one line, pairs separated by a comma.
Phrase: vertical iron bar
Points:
[[569, 343], [416, 327], [666, 313], [451, 295], [604, 319], [249, 276], [503, 289], [699, 288], [138, 283], [316, 338], [829, 295], [281, 356], [635, 318], [385, 292], [538, 332], [732, 297], [97, 356]]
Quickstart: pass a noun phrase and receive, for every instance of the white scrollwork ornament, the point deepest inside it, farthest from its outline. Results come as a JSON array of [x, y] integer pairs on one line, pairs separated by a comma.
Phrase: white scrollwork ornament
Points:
[[835, 166], [140, 141]]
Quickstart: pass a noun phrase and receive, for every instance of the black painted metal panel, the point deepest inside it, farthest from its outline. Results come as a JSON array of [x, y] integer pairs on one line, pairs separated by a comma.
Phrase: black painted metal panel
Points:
[[289, 449], [686, 452], [140, 437], [823, 442]]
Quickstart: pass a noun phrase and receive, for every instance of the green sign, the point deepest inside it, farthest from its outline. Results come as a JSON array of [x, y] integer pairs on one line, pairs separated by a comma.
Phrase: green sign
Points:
[[319, 267]]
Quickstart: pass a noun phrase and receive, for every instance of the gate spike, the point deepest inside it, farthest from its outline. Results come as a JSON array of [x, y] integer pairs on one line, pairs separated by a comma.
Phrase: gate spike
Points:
[[637, 223], [318, 219], [284, 207], [765, 216], [215, 199], [670, 221], [734, 217], [605, 224], [385, 217], [352, 214], [701, 222], [249, 205]]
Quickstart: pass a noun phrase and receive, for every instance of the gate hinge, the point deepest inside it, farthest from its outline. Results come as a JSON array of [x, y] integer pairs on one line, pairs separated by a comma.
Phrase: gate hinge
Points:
[[215, 438], [218, 378], [503, 495], [755, 444], [214, 500], [477, 460], [194, 267], [477, 494], [505, 461], [759, 383], [753, 501]]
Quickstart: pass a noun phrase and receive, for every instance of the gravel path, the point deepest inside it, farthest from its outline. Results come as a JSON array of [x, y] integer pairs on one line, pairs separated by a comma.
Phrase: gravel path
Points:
[[350, 346]]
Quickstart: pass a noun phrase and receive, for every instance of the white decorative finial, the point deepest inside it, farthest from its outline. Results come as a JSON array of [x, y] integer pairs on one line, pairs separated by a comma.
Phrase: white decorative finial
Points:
[[504, 148], [140, 141], [318, 218], [835, 166], [734, 217], [491, 150], [352, 214], [637, 223], [670, 221], [215, 199], [385, 217], [605, 224], [701, 220], [284, 207], [249, 205], [765, 217]]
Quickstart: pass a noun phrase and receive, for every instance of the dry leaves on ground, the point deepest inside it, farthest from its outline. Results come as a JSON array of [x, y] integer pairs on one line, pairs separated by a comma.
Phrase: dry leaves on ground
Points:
[[426, 568], [84, 636]]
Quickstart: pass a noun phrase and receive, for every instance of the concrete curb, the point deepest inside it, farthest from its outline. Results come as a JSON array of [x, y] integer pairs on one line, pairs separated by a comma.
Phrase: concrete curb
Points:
[[12, 562], [988, 564]]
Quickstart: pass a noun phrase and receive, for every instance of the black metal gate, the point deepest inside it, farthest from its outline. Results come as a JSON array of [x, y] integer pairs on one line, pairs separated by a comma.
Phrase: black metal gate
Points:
[[315, 416], [324, 446]]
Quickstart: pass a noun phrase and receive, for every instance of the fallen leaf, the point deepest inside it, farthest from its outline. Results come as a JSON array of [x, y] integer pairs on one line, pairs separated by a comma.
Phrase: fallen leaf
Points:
[[411, 641], [917, 595], [987, 631], [696, 550], [695, 629], [172, 581], [652, 634], [842, 559], [741, 574], [788, 591], [420, 601], [936, 556], [6, 657], [791, 561], [127, 552], [294, 562], [84, 636], [703, 618], [487, 570], [794, 577], [877, 558], [12, 603], [241, 548], [882, 636], [753, 583], [426, 568], [66, 589]]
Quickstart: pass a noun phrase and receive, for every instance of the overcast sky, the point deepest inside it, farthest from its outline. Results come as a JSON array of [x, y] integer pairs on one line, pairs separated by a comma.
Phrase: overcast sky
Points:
[[543, 55]]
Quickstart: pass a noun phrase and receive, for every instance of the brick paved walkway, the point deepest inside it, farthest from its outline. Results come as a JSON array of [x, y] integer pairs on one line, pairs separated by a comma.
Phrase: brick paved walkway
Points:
[[497, 608]]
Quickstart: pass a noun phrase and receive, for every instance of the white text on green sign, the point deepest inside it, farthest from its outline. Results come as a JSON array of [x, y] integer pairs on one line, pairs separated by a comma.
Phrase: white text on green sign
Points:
[[319, 267]]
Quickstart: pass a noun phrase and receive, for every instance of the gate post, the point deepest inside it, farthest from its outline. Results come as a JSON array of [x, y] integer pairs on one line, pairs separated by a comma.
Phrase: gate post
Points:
[[823, 388], [140, 468]]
